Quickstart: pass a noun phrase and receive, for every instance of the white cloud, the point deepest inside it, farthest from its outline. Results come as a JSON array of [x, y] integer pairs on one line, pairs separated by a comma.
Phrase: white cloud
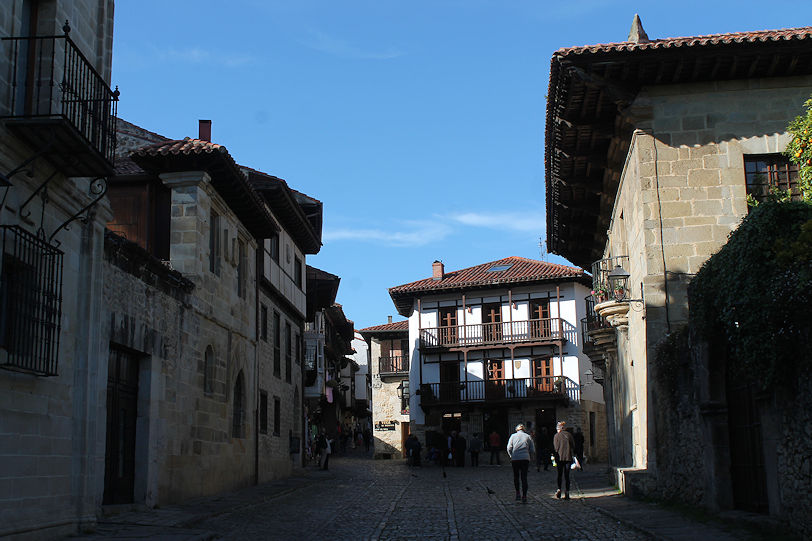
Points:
[[414, 234], [196, 55], [328, 44], [531, 220]]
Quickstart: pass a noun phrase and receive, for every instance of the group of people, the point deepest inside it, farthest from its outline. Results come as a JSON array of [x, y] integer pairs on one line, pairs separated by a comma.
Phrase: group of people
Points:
[[562, 450], [325, 445], [520, 449]]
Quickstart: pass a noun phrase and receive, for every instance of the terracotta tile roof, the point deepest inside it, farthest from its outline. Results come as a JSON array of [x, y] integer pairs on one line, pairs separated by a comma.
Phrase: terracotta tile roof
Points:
[[127, 167], [185, 146], [395, 326], [521, 270], [761, 36]]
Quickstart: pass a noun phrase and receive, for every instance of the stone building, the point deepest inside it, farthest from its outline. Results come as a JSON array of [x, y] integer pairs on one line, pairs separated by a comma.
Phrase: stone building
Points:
[[652, 148], [214, 355], [389, 372], [497, 344], [54, 159]]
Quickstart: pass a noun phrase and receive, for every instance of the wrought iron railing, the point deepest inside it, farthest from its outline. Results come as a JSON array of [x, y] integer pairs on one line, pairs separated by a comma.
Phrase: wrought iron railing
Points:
[[51, 77], [395, 364], [533, 330], [30, 302], [499, 390], [601, 288]]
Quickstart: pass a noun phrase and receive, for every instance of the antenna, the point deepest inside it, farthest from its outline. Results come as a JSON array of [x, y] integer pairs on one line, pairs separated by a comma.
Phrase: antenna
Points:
[[542, 249]]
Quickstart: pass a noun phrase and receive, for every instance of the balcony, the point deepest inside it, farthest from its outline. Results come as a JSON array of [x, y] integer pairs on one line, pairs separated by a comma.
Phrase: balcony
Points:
[[60, 105], [533, 331], [499, 391], [605, 293], [393, 365]]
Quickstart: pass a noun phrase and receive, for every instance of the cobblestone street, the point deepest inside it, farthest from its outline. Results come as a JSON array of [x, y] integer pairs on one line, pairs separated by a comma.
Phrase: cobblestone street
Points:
[[361, 498]]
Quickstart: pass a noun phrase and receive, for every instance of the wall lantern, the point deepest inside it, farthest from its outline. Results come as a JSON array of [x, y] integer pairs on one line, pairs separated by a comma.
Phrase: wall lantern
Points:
[[403, 389], [618, 278]]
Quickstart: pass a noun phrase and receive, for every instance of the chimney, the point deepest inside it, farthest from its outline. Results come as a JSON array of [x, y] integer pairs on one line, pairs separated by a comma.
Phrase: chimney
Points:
[[637, 34], [437, 270], [389, 319], [204, 130]]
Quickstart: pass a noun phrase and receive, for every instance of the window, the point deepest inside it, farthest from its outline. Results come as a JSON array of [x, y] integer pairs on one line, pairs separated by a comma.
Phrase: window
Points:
[[242, 267], [297, 272], [404, 396], [263, 332], [277, 345], [288, 352], [767, 172], [141, 213], [30, 301], [448, 325], [215, 242], [275, 247], [263, 412], [238, 415], [540, 323], [499, 268], [277, 416], [208, 370]]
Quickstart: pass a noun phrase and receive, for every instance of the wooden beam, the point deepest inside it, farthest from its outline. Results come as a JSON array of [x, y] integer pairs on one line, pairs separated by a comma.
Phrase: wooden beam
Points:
[[619, 94]]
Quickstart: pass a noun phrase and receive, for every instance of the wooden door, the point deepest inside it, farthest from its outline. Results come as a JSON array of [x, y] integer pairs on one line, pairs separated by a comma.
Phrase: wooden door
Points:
[[747, 470], [543, 375], [449, 382], [492, 322], [540, 318], [448, 325], [122, 409], [495, 380], [405, 430]]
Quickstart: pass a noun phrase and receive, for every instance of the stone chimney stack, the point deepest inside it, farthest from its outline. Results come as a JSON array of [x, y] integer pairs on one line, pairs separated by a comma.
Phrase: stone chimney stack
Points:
[[204, 130], [437, 270], [389, 319]]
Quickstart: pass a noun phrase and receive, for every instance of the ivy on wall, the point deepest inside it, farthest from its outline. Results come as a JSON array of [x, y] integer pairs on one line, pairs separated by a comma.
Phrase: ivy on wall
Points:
[[758, 291], [799, 150]]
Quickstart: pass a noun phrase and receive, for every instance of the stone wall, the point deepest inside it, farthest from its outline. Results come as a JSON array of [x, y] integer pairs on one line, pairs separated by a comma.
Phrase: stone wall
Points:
[[386, 407], [681, 193]]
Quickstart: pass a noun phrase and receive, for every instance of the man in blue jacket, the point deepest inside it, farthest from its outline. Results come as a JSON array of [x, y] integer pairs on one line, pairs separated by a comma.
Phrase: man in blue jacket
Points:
[[520, 449]]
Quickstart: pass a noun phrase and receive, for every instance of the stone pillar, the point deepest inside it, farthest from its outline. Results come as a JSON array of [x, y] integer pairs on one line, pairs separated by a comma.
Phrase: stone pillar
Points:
[[190, 225]]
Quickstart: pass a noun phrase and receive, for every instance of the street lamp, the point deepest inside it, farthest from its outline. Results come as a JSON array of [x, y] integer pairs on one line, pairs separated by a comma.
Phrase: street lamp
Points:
[[618, 279]]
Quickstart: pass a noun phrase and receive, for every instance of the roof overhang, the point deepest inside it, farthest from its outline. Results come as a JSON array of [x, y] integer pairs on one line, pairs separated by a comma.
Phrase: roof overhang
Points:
[[589, 119]]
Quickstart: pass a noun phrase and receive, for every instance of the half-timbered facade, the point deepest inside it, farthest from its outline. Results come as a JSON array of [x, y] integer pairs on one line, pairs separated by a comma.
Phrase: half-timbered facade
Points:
[[496, 344]]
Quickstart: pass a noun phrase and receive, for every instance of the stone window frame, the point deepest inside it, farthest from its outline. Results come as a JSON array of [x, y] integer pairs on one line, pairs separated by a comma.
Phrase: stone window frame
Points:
[[288, 352], [242, 268], [215, 241]]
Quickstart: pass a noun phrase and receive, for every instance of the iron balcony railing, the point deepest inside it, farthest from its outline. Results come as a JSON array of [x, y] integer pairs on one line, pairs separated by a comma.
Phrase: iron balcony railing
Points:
[[478, 334], [51, 77], [601, 288], [30, 302], [556, 387], [395, 364]]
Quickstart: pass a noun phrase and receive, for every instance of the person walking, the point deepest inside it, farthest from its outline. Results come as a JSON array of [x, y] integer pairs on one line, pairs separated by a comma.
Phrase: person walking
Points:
[[459, 450], [413, 449], [495, 442], [474, 448], [367, 439], [563, 443], [520, 449]]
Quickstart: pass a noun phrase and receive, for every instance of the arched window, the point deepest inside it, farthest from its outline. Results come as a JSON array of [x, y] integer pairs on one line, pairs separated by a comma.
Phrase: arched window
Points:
[[238, 420], [208, 370]]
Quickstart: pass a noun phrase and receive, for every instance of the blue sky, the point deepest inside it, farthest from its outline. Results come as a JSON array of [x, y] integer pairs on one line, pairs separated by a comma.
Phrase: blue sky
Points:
[[419, 124]]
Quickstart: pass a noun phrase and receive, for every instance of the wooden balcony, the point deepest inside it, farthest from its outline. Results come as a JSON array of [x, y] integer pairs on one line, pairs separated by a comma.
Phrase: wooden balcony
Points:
[[393, 365], [554, 388], [59, 104], [484, 335]]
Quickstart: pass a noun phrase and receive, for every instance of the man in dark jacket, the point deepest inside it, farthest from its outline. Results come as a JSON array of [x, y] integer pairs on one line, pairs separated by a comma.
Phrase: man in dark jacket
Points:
[[563, 443]]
